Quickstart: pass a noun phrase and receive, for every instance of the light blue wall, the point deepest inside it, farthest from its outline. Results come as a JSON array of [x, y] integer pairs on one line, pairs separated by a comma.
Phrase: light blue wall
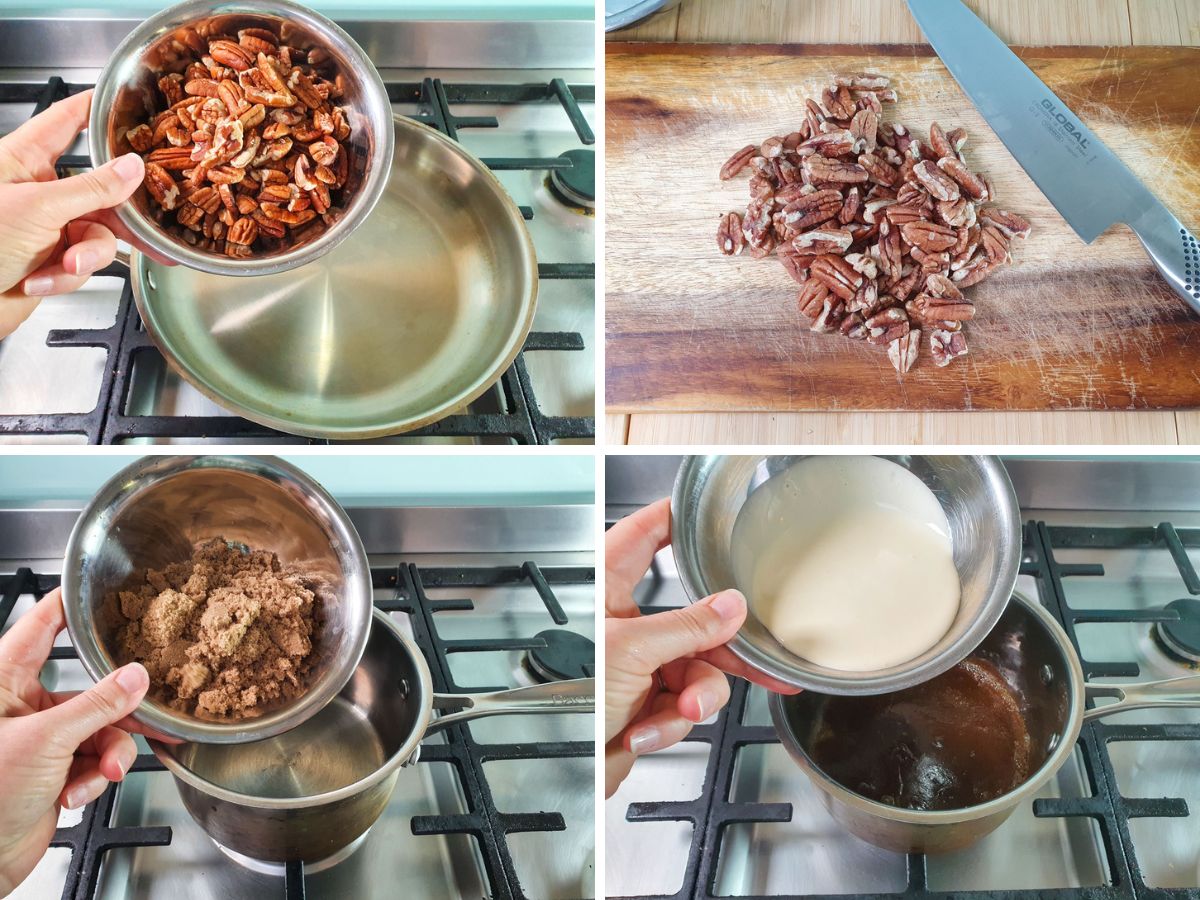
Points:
[[364, 9], [448, 480]]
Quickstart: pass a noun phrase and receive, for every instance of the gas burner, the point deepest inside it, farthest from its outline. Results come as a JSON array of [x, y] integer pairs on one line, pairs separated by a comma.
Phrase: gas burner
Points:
[[265, 867], [1181, 638], [566, 655], [576, 186]]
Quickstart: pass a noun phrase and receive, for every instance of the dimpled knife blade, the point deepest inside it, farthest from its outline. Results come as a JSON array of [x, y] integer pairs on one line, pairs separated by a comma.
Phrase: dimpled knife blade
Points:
[[1085, 181]]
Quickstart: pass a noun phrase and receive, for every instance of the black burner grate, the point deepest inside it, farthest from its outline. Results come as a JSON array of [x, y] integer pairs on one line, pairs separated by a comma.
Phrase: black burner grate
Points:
[[94, 835], [520, 419], [712, 812]]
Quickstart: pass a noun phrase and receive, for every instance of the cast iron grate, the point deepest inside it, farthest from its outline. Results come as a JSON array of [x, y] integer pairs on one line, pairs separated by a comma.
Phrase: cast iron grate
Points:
[[518, 418], [712, 811], [94, 834]]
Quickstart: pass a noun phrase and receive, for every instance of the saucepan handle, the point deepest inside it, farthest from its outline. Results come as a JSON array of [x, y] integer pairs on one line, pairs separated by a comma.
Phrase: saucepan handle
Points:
[[1171, 692], [575, 696]]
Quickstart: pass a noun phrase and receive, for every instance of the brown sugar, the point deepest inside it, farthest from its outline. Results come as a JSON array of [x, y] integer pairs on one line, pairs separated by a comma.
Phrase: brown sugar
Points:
[[228, 634]]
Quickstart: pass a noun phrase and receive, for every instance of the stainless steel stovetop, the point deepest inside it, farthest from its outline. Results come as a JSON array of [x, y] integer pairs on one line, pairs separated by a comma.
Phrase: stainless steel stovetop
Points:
[[36, 379], [546, 863], [811, 854]]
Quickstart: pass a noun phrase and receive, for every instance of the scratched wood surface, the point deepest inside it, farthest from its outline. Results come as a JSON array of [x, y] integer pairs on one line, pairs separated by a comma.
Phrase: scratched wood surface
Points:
[[1030, 22], [1068, 326]]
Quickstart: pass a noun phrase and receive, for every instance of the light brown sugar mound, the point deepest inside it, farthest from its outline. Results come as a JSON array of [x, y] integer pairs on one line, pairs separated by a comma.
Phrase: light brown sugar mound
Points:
[[228, 634]]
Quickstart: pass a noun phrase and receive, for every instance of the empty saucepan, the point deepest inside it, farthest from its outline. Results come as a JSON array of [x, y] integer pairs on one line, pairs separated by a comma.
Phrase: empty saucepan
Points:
[[1041, 671], [313, 791]]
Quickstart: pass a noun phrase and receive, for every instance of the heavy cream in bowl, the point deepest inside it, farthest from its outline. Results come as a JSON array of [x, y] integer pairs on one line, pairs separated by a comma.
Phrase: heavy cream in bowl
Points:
[[848, 562]]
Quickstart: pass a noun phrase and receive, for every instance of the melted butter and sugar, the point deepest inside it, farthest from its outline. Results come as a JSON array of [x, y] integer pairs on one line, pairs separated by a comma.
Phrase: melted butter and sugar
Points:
[[848, 562], [955, 741]]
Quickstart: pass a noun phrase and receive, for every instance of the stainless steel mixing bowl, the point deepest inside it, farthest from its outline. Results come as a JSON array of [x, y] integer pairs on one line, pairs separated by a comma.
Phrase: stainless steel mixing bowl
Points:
[[310, 793], [152, 513], [1036, 659], [127, 95], [412, 318], [985, 530]]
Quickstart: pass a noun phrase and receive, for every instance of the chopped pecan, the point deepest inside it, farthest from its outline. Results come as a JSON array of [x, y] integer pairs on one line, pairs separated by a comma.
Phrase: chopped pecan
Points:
[[903, 351], [824, 240], [795, 264], [931, 310], [140, 138], [938, 142], [945, 346], [887, 325], [812, 297], [1009, 224], [831, 316]]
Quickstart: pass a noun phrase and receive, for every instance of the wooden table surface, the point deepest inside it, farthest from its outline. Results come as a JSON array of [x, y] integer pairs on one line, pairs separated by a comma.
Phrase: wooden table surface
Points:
[[1025, 22]]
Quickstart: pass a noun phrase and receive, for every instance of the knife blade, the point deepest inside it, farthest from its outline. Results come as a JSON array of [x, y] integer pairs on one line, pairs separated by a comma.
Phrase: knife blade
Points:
[[1078, 173]]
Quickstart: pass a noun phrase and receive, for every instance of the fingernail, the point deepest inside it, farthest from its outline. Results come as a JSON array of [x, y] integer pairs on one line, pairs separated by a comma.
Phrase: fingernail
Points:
[[125, 763], [77, 797], [728, 604], [39, 286], [86, 262], [645, 740], [132, 677], [708, 703], [128, 167]]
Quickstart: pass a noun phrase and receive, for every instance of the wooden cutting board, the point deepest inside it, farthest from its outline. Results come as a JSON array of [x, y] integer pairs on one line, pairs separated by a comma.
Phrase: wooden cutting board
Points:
[[1067, 326]]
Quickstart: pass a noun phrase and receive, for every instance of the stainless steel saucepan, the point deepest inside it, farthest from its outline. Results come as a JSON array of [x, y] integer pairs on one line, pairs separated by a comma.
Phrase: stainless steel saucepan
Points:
[[410, 318], [313, 791], [1036, 659]]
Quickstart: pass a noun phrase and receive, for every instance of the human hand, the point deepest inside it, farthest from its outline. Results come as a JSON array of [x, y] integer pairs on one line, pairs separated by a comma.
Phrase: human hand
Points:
[[55, 749], [687, 646], [55, 232]]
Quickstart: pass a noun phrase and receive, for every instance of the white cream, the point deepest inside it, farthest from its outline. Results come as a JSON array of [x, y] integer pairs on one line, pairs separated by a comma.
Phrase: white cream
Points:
[[848, 561]]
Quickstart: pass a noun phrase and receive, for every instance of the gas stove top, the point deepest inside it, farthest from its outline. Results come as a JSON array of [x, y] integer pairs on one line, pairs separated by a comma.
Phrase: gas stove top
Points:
[[502, 807], [83, 370], [1108, 549]]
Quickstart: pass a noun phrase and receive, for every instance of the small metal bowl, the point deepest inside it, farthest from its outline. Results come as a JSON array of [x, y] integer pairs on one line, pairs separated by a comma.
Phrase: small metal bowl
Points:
[[127, 93], [985, 527], [153, 512]]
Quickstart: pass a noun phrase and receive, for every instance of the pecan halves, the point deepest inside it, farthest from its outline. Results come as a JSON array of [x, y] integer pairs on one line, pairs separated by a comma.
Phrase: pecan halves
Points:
[[837, 275], [880, 229], [822, 169], [813, 209], [243, 116], [929, 237], [738, 161], [940, 185], [964, 177], [730, 239]]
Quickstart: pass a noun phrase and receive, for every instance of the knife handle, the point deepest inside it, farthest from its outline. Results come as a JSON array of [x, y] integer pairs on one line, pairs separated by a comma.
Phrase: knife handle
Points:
[[1173, 250]]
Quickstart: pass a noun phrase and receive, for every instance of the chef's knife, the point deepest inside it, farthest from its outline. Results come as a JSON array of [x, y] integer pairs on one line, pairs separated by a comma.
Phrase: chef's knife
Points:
[[1074, 169]]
